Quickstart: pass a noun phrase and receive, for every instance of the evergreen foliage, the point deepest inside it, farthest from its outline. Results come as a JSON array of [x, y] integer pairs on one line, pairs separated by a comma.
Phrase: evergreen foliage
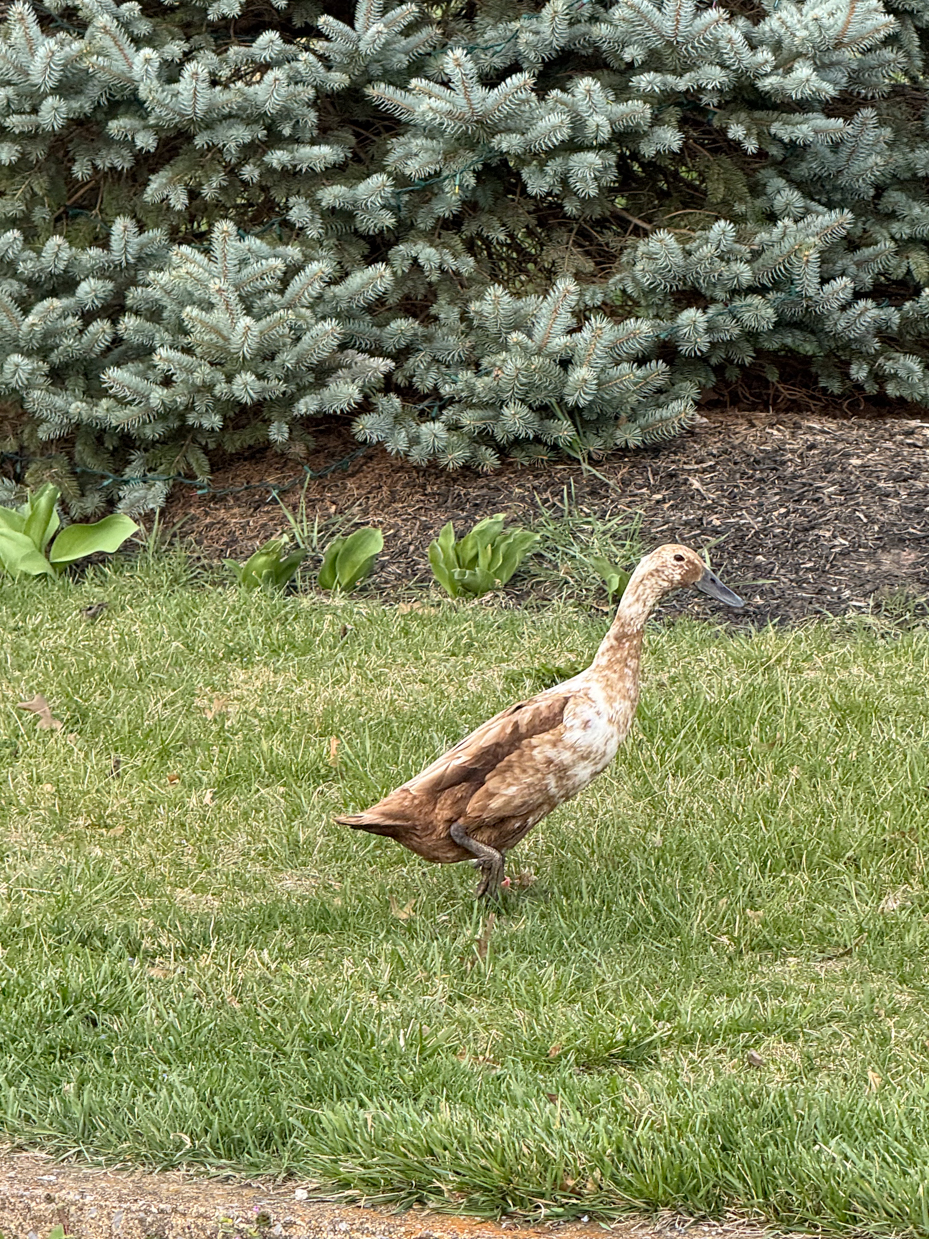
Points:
[[477, 228]]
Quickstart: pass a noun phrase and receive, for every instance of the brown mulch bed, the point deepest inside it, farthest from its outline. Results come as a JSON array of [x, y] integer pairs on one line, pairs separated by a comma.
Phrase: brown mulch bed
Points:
[[804, 515]]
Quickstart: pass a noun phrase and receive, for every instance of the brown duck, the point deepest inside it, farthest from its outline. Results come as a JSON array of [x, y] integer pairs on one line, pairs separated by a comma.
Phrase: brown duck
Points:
[[481, 797]]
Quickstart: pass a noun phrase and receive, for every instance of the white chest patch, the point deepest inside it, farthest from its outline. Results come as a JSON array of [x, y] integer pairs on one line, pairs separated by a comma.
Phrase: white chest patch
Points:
[[594, 730]]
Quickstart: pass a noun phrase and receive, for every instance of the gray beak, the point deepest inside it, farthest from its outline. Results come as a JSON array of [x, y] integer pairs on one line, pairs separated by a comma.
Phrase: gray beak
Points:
[[712, 585]]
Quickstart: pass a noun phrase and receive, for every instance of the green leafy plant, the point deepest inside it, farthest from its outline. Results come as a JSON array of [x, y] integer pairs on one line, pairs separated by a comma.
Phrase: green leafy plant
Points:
[[615, 579], [347, 560], [483, 560], [26, 531], [270, 565]]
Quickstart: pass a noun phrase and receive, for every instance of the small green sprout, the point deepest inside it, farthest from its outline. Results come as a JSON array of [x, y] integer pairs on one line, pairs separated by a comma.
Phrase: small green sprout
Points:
[[347, 560], [269, 566], [483, 560], [615, 579]]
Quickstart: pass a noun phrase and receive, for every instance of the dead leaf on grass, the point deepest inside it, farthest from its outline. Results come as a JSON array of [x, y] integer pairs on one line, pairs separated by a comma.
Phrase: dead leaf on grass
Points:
[[220, 706], [38, 705], [555, 1051], [894, 900], [174, 778], [116, 831], [333, 750], [874, 1081], [208, 796], [402, 914]]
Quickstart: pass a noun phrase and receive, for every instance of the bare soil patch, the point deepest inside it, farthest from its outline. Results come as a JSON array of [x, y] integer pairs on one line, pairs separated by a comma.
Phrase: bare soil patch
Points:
[[38, 1194], [821, 514]]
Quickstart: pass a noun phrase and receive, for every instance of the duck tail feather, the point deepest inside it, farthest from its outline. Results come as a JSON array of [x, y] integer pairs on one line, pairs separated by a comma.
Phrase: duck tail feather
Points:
[[373, 825]]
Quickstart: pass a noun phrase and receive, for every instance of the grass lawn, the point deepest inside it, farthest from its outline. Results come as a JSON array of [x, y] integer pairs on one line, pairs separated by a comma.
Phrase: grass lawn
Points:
[[714, 996]]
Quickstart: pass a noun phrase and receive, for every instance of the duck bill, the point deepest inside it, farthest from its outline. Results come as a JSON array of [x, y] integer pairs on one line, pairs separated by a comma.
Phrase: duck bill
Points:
[[712, 585]]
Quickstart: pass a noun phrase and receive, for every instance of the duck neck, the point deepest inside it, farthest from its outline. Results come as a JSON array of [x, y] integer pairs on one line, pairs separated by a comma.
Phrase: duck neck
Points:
[[620, 649]]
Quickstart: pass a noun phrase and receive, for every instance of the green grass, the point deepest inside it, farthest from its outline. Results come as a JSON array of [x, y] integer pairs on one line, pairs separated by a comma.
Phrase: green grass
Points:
[[198, 967], [571, 536]]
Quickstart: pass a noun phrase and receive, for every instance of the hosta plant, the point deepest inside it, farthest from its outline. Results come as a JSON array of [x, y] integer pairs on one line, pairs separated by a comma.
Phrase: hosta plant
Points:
[[270, 565], [27, 531], [347, 560], [482, 560]]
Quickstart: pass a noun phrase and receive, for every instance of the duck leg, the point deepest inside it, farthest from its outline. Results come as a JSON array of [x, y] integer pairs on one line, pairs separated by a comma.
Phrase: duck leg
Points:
[[489, 861]]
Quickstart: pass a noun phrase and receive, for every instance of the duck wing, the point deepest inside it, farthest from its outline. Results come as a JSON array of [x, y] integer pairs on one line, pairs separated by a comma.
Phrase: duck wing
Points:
[[510, 743]]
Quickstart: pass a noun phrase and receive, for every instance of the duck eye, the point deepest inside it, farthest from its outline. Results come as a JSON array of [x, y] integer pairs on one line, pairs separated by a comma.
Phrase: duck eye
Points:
[[679, 558]]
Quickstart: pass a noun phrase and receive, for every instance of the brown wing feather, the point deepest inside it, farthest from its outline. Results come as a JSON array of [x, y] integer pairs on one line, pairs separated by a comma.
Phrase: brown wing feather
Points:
[[491, 743], [440, 795]]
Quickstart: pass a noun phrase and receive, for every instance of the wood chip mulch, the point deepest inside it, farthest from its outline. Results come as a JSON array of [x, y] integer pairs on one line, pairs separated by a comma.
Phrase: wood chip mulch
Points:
[[803, 516]]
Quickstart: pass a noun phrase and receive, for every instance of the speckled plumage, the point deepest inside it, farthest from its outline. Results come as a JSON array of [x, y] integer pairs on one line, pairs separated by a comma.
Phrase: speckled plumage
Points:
[[502, 779]]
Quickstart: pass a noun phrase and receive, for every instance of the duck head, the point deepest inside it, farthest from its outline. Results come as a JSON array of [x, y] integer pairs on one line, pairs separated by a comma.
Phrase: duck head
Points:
[[673, 566]]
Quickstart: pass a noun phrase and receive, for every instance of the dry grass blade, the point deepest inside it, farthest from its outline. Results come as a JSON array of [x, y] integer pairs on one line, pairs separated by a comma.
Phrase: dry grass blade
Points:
[[483, 942], [38, 705]]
